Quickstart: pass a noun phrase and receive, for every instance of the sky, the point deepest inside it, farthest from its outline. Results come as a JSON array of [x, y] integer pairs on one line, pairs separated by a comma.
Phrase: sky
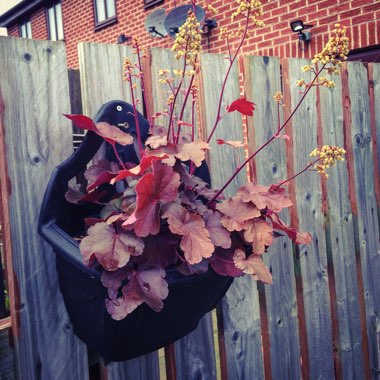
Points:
[[4, 6]]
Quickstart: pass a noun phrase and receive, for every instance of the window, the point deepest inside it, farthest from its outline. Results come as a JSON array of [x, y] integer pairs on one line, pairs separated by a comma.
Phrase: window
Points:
[[151, 3], [25, 29], [55, 25], [105, 12]]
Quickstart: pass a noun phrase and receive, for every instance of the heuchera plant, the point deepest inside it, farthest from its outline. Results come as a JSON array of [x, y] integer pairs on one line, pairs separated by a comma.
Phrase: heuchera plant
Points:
[[165, 216]]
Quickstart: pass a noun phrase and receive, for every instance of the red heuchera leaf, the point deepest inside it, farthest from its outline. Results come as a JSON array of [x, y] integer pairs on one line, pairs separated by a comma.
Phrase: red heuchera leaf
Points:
[[160, 250], [82, 122], [92, 221], [235, 144], [156, 141], [253, 265], [75, 195], [111, 249], [236, 213], [219, 235], [189, 198], [222, 263], [195, 183], [140, 169], [274, 197], [297, 237], [260, 234], [113, 134], [143, 286], [113, 280], [187, 269], [102, 172], [195, 242], [110, 133], [194, 151], [93, 197], [243, 106], [153, 190], [167, 153]]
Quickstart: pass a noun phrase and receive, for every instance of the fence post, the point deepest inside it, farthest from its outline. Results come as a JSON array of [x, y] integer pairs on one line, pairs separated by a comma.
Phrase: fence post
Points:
[[34, 84]]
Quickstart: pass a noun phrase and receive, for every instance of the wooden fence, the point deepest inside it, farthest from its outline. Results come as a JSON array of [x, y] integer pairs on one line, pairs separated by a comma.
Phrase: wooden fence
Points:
[[321, 317]]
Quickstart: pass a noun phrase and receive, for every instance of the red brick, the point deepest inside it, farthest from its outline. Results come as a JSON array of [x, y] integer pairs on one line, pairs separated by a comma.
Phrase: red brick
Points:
[[371, 33], [351, 13], [362, 18], [78, 19]]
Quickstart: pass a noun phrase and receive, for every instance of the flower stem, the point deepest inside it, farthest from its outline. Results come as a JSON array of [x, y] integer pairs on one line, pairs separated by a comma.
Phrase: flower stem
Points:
[[118, 157], [239, 168], [307, 167], [183, 106], [176, 95], [143, 86], [217, 120], [141, 150]]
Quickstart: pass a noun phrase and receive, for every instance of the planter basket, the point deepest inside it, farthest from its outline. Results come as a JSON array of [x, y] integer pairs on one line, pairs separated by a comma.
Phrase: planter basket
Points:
[[144, 330]]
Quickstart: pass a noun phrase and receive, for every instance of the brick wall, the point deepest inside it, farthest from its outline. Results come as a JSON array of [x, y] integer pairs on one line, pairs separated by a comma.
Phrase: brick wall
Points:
[[276, 38]]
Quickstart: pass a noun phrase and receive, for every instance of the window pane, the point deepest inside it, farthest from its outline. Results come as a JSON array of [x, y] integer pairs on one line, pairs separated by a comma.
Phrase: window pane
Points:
[[29, 29], [100, 11], [52, 26], [58, 17], [111, 11], [23, 30]]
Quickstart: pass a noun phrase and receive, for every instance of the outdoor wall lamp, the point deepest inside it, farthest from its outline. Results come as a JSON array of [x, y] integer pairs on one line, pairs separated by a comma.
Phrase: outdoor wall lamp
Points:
[[122, 38], [299, 27]]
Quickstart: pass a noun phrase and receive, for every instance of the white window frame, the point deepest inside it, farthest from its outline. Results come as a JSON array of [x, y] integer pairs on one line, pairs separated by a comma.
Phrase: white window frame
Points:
[[25, 29], [55, 22], [105, 11]]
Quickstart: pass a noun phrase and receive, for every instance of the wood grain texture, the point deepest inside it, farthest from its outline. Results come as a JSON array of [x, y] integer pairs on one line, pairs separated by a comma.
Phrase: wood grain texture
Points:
[[142, 368], [165, 59], [340, 240], [367, 224], [240, 306], [194, 354], [262, 79], [34, 83], [7, 368], [101, 83], [101, 75], [312, 259], [374, 93]]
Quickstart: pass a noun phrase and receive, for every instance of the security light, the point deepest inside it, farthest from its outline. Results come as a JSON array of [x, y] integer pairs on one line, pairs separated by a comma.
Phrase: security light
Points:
[[298, 27], [122, 38]]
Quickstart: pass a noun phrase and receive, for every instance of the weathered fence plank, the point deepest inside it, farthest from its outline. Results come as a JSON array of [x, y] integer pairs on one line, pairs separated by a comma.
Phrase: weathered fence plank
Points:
[[240, 307], [142, 368], [262, 78], [101, 83], [374, 88], [362, 196], [34, 83], [195, 358], [312, 259], [101, 75], [340, 242]]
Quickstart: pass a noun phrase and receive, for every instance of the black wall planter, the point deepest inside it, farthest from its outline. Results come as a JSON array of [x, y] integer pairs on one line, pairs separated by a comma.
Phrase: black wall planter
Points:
[[143, 331]]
